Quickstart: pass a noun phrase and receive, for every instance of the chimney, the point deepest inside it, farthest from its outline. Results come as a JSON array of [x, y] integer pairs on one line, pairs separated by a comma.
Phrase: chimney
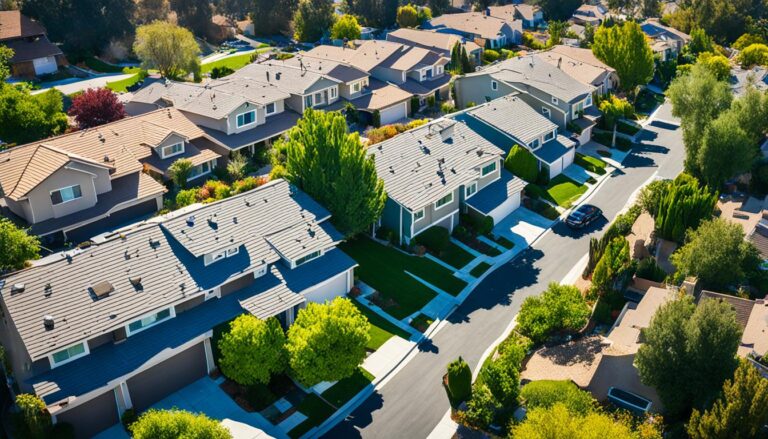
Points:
[[691, 286], [48, 321]]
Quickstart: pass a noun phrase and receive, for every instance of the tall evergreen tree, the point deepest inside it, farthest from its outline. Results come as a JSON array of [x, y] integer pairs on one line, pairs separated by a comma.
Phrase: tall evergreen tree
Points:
[[683, 205]]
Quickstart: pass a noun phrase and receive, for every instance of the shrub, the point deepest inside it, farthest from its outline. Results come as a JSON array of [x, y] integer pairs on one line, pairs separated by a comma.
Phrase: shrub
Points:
[[220, 72], [560, 307], [490, 55], [415, 104], [754, 54], [252, 350], [447, 108], [480, 409], [515, 342], [502, 376], [470, 104], [611, 266], [180, 171], [34, 414], [683, 205], [154, 424], [128, 418], [431, 101], [186, 197], [546, 393], [237, 166], [530, 41], [435, 238], [522, 163], [376, 118], [246, 184], [459, 380], [649, 269]]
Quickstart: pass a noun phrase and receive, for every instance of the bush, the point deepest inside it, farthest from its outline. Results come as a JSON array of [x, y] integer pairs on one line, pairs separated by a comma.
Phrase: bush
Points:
[[649, 269], [754, 54], [490, 55], [128, 418], [447, 108], [246, 184], [480, 409], [186, 197], [459, 380], [559, 308], [220, 72], [531, 42], [415, 104], [683, 205], [376, 118], [431, 101], [252, 350], [546, 393], [522, 163], [435, 238], [34, 414], [502, 376], [156, 424]]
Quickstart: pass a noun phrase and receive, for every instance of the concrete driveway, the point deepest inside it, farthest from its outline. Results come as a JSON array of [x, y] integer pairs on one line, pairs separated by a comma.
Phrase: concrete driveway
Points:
[[74, 85], [522, 227]]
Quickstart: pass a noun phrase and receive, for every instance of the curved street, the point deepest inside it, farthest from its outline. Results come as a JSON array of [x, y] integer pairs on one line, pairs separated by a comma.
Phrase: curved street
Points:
[[413, 401]]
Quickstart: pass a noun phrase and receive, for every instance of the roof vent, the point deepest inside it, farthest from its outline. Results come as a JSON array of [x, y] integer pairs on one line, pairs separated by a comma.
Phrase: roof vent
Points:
[[17, 288], [191, 221], [277, 76], [48, 321], [106, 158], [102, 289], [213, 222], [48, 290], [136, 282]]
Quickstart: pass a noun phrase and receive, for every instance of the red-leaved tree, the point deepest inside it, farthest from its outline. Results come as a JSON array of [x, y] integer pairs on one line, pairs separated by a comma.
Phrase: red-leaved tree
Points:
[[96, 106]]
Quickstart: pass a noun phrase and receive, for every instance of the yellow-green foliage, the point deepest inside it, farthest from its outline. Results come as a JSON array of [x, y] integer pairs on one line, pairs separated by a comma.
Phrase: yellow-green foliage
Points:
[[174, 423]]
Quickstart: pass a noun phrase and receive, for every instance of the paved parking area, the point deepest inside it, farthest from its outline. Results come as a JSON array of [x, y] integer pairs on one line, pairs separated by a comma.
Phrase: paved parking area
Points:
[[522, 227]]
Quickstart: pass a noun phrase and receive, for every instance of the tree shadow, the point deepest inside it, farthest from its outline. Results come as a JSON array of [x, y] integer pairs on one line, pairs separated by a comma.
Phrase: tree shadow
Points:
[[360, 418], [427, 345]]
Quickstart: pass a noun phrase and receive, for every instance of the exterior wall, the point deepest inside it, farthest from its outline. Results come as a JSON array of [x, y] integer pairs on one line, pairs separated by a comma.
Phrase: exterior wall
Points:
[[556, 114], [100, 340], [137, 108], [20, 208], [296, 103], [345, 89], [237, 284], [172, 139], [93, 416], [23, 69], [189, 304], [388, 75], [40, 197], [490, 178], [244, 108], [336, 287], [431, 215], [216, 124], [320, 85], [15, 351], [477, 89]]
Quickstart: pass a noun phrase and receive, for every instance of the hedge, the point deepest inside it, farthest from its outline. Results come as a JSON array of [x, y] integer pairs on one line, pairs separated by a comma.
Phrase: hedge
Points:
[[435, 238], [522, 163]]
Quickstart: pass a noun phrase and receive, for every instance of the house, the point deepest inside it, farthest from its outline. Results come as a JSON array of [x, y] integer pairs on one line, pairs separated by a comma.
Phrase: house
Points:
[[592, 14], [435, 172], [509, 121], [126, 322], [417, 71], [33, 54], [543, 86], [486, 31], [582, 65], [83, 183], [436, 41], [530, 15], [666, 42], [751, 315], [742, 78]]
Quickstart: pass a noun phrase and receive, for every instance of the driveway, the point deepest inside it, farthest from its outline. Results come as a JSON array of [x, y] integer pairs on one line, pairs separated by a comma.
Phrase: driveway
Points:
[[74, 85], [522, 227]]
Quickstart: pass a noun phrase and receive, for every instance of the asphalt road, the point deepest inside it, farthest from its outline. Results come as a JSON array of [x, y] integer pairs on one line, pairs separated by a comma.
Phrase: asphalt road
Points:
[[413, 402]]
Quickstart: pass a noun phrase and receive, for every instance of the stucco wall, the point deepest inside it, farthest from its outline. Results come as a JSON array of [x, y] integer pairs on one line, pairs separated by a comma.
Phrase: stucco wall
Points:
[[40, 197]]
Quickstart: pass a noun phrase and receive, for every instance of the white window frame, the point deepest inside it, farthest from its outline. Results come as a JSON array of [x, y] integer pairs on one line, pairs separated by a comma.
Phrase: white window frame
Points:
[[259, 272], [449, 195], [210, 169], [333, 93], [546, 112], [438, 70], [356, 87], [232, 251], [274, 108], [129, 332], [555, 100], [85, 352], [482, 168], [588, 101], [215, 257], [467, 194], [166, 147], [63, 201], [309, 257], [549, 136], [418, 215], [534, 144], [494, 85], [321, 101], [237, 119]]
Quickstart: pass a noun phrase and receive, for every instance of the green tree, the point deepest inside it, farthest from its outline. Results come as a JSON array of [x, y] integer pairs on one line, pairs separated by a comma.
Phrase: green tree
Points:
[[755, 54], [16, 246], [522, 163], [683, 205], [331, 165], [327, 342], [174, 423], [374, 13], [625, 48], [612, 265], [179, 171], [557, 30], [481, 408], [237, 166], [459, 380], [700, 42], [253, 350], [559, 308], [689, 352], [28, 118], [717, 254], [752, 113], [502, 376], [168, 48], [313, 18], [717, 64], [726, 150], [614, 109], [5, 62], [589, 36], [346, 27], [740, 413], [747, 40], [34, 414], [272, 16], [408, 16], [546, 393], [558, 9], [186, 197], [558, 422], [439, 7], [194, 15], [697, 99]]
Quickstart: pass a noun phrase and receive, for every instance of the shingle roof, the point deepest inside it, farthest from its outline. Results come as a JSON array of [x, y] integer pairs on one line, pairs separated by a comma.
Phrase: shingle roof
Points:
[[742, 307], [496, 193], [302, 239], [276, 124], [579, 63], [365, 57], [474, 23], [381, 96], [286, 78], [513, 116], [431, 40], [15, 25], [654, 29], [336, 70], [422, 165], [25, 50], [168, 272], [509, 12], [551, 151]]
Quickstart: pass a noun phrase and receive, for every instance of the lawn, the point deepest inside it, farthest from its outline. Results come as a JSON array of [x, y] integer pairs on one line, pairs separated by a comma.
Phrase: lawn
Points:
[[480, 269], [502, 241], [591, 164], [235, 62], [123, 84], [101, 66], [422, 322], [456, 256], [561, 190], [606, 138], [627, 128], [381, 329], [345, 389], [316, 411]]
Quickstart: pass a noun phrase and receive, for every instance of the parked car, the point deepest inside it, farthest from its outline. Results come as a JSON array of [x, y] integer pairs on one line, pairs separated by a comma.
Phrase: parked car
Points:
[[583, 215]]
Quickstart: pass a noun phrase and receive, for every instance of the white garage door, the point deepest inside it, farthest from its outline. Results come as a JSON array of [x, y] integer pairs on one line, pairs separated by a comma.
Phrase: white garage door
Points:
[[45, 65], [394, 113], [337, 286], [556, 168], [505, 208], [568, 158]]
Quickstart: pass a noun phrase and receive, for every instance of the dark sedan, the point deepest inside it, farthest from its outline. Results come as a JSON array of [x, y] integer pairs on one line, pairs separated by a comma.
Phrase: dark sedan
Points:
[[583, 215]]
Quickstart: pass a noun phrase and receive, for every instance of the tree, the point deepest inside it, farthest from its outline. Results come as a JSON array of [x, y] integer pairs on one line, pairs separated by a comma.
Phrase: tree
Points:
[[194, 15], [717, 254], [374, 13], [96, 106], [546, 393], [557, 30], [5, 62], [697, 99], [439, 7], [253, 350], [740, 413], [717, 64], [346, 28], [688, 352], [220, 72], [313, 18], [724, 20], [459, 380], [747, 40], [327, 342], [480, 408], [683, 205], [502, 376], [174, 423], [752, 113], [522, 163], [273, 16], [614, 109], [168, 48], [589, 36], [34, 414], [148, 11], [625, 48], [236, 166], [755, 54], [179, 172], [611, 266], [726, 150], [27, 118], [16, 246], [408, 16], [559, 308], [700, 43], [330, 165]]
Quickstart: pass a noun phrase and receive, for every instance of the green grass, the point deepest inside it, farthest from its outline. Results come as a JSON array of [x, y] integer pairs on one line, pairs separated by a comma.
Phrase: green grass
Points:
[[502, 241], [345, 389], [101, 66], [591, 164], [647, 101], [233, 62], [422, 322], [561, 190], [546, 210], [381, 329], [480, 269], [123, 84], [316, 411], [627, 128], [456, 256]]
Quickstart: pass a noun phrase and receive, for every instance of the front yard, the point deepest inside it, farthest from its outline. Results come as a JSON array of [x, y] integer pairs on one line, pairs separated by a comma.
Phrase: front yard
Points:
[[561, 190], [344, 390], [647, 101], [455, 256], [381, 329], [591, 164], [316, 410]]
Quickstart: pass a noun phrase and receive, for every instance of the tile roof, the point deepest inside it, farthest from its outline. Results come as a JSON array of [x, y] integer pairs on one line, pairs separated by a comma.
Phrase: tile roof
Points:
[[511, 115], [15, 25], [579, 63], [742, 307], [369, 54], [302, 239], [474, 23], [496, 193], [427, 39], [421, 165], [276, 124]]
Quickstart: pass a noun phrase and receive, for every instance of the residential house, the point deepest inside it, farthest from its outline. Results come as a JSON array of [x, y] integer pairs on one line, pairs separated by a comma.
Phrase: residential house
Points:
[[543, 86], [417, 71], [667, 42], [486, 31], [126, 322], [530, 15], [741, 78], [436, 41], [437, 171], [83, 183], [509, 121], [33, 53], [751, 315], [582, 65], [592, 14]]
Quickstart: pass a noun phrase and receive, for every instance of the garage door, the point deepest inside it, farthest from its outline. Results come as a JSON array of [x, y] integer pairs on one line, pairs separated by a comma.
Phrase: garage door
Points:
[[568, 158], [161, 380], [92, 417], [45, 65], [394, 113], [556, 168], [336, 287], [505, 208]]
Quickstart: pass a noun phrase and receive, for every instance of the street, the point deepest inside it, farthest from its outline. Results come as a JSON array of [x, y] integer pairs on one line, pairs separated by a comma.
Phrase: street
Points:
[[413, 402]]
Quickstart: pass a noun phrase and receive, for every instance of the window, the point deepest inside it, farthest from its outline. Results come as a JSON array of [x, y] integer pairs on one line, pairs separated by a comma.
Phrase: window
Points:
[[304, 259], [172, 150], [487, 169], [549, 136], [448, 199], [555, 101], [246, 118], [419, 214], [545, 111], [271, 108], [149, 321], [233, 251], [439, 70], [470, 190], [534, 143], [319, 98], [494, 85], [356, 87], [333, 93], [199, 170], [69, 354], [308, 101], [261, 271], [588, 101], [66, 194]]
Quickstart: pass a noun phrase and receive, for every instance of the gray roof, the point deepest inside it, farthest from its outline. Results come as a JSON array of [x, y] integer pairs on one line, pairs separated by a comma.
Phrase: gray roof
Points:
[[422, 88], [554, 149], [259, 92], [169, 273], [741, 78], [422, 165], [336, 70], [287, 78], [496, 193], [476, 23], [513, 116], [276, 124], [302, 239]]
